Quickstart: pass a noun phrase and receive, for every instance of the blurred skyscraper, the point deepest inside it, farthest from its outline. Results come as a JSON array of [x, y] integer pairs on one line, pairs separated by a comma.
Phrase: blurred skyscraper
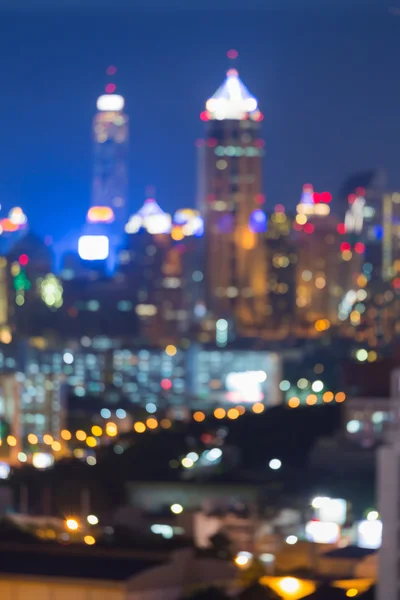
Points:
[[231, 201]]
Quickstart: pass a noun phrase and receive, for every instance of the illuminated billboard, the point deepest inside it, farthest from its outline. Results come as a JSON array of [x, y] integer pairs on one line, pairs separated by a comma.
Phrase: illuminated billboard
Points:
[[93, 247], [322, 533], [235, 376]]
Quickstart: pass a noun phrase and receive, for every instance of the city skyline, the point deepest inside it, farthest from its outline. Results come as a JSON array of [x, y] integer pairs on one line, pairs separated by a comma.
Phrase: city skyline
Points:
[[57, 202]]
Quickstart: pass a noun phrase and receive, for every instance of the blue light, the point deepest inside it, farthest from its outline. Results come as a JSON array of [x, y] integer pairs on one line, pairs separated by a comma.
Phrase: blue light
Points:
[[258, 221], [378, 232]]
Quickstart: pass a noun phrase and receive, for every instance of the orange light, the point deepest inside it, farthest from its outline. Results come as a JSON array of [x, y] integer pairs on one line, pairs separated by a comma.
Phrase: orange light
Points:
[[80, 435], [219, 413], [139, 427], [152, 423], [241, 409], [56, 446], [294, 402], [311, 399], [165, 423], [177, 234], [258, 408], [233, 413], [199, 416], [8, 226], [66, 435], [100, 214], [340, 397], [48, 439], [327, 397]]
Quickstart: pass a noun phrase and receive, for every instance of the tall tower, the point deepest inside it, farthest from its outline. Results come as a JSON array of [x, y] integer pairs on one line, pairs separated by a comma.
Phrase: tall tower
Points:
[[230, 199], [110, 171]]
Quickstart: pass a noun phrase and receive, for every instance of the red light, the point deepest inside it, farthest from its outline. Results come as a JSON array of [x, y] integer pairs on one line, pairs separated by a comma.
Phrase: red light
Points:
[[259, 143], [317, 197], [279, 208], [110, 88], [360, 191], [23, 259], [359, 247], [260, 117], [345, 246], [326, 197], [200, 143], [111, 70], [352, 198], [212, 142], [341, 228], [396, 283], [204, 116], [297, 226], [259, 199], [309, 228], [232, 54], [166, 384]]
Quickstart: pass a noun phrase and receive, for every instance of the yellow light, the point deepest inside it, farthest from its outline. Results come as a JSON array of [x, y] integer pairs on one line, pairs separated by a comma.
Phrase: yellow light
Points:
[[48, 439], [152, 423], [89, 540], [72, 524], [170, 350], [165, 423], [139, 427], [241, 561], [347, 255], [111, 429], [362, 281], [91, 442], [351, 593], [187, 463], [372, 356], [56, 446], [177, 509], [311, 399], [320, 283], [294, 402], [100, 214], [199, 416], [258, 408], [233, 413], [66, 435], [92, 520], [301, 219], [327, 397], [11, 440], [32, 438], [97, 431], [289, 585], [80, 435], [340, 397], [177, 234], [219, 413]]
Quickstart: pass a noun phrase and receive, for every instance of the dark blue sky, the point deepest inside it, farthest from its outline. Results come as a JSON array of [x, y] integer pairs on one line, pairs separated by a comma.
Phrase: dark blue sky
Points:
[[328, 83]]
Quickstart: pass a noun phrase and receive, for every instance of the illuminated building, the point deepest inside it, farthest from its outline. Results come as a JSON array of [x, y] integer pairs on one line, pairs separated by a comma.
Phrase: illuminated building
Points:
[[231, 202], [110, 177]]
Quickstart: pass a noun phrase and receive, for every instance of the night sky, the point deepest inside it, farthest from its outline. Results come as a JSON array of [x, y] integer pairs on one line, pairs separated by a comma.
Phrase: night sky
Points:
[[328, 83]]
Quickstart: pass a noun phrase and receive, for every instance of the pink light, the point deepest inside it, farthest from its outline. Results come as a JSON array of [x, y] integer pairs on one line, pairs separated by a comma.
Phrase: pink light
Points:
[[359, 247], [212, 142], [308, 187], [352, 198], [204, 116], [23, 260], [360, 191], [260, 117], [259, 199], [309, 228], [326, 197], [232, 73], [345, 246], [341, 228], [279, 208], [110, 88], [111, 70], [232, 54], [166, 384]]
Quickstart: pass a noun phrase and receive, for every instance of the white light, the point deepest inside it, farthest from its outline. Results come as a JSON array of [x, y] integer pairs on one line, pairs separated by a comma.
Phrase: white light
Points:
[[222, 325], [68, 358], [110, 102], [92, 520], [322, 533], [267, 558], [247, 385], [290, 585], [361, 355], [353, 426], [4, 470], [213, 454], [369, 534], [319, 501], [22, 456], [177, 509], [291, 540], [93, 247], [275, 464], [158, 224], [41, 460], [193, 456], [373, 515], [333, 510], [317, 386]]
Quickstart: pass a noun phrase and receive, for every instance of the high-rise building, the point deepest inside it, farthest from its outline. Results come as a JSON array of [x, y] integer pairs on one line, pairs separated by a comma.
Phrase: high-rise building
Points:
[[230, 199], [110, 177]]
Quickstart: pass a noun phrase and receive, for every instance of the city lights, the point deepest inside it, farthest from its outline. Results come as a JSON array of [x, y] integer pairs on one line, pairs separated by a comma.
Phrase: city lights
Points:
[[93, 247]]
